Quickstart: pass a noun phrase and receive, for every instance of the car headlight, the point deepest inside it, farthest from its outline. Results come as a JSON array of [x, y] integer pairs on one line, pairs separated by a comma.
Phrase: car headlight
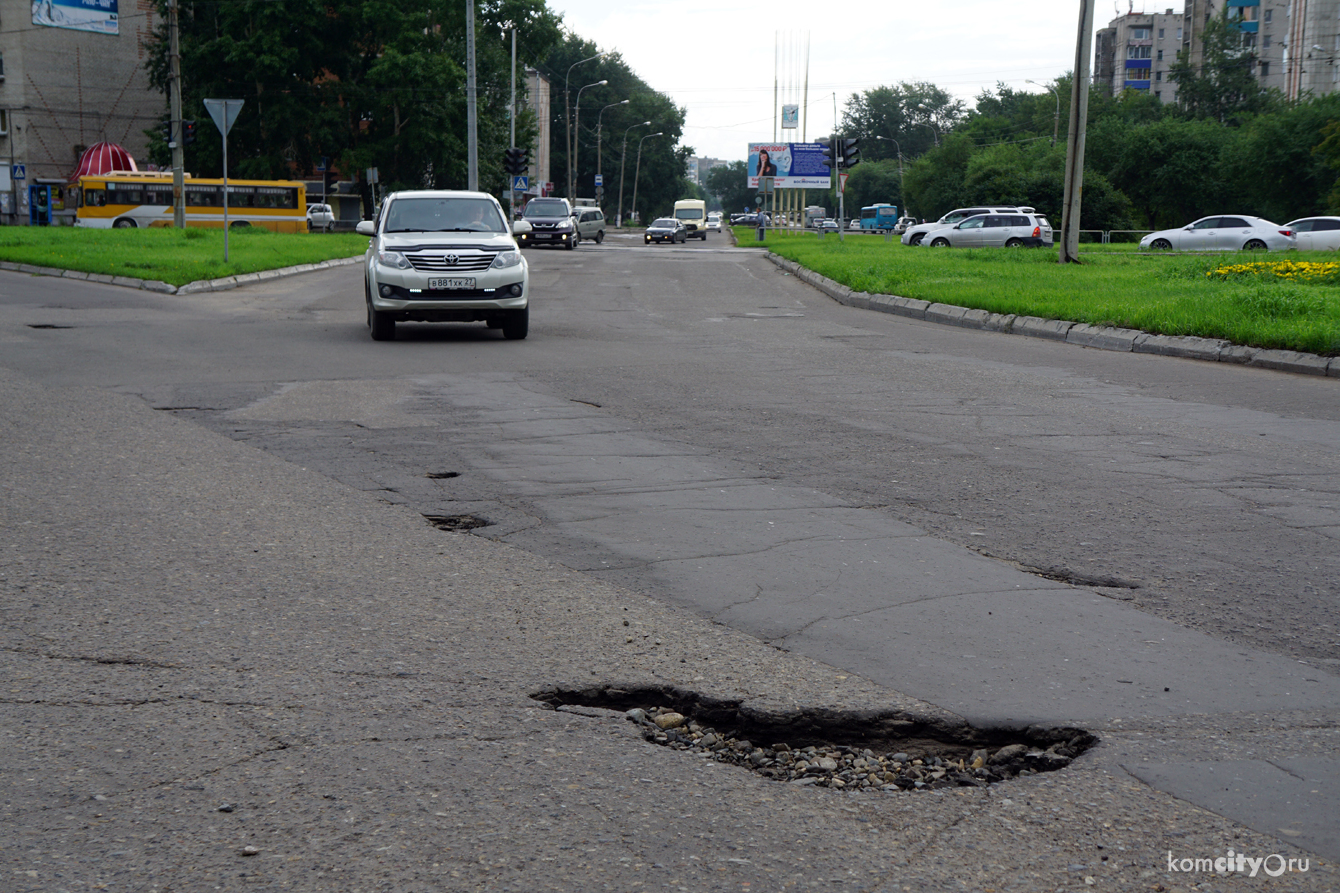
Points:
[[509, 258], [393, 259]]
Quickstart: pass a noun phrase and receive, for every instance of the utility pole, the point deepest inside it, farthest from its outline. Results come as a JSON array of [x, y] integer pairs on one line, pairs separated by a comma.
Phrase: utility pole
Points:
[[1074, 155], [511, 133], [174, 126], [471, 103]]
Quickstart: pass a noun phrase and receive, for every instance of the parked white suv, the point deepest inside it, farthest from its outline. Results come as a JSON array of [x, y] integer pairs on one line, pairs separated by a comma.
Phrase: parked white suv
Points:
[[1013, 230], [914, 235], [441, 256]]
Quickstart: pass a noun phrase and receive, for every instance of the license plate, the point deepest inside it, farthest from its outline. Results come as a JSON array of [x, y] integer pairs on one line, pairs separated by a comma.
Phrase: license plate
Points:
[[448, 284], [544, 235]]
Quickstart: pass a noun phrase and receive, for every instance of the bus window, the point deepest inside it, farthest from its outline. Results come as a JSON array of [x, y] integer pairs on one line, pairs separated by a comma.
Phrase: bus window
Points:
[[94, 198]]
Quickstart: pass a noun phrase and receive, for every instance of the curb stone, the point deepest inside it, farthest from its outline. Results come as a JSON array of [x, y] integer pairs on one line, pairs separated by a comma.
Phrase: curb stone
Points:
[[200, 285], [1080, 334]]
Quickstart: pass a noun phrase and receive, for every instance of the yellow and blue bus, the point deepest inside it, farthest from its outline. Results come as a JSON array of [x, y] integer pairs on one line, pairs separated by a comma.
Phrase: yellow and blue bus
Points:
[[880, 217], [122, 200]]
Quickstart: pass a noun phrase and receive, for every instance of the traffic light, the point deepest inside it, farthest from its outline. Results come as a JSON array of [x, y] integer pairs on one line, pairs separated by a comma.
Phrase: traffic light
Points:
[[165, 128], [851, 155], [830, 159], [328, 180], [516, 161], [187, 132]]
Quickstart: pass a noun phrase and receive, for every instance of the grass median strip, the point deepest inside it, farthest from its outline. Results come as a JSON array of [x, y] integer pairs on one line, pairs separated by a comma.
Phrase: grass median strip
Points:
[[1288, 303], [171, 255]]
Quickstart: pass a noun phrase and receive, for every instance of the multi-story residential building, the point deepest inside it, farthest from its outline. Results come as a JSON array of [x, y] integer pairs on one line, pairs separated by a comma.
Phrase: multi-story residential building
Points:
[[538, 100], [700, 167], [1313, 62], [71, 75], [1135, 51]]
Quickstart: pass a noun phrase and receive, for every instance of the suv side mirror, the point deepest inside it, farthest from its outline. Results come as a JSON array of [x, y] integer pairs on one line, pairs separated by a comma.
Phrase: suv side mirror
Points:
[[366, 228], [521, 227]]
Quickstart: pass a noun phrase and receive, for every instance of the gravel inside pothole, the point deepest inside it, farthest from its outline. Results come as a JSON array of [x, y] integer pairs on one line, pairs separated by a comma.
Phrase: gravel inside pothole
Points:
[[855, 768]]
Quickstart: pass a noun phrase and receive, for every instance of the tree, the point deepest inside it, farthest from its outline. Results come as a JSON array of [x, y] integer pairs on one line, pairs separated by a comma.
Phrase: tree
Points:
[[917, 115], [874, 183], [1171, 172], [730, 184], [368, 83], [1224, 88]]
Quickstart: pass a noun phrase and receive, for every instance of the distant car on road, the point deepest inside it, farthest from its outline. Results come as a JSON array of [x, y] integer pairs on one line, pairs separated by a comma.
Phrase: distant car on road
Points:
[[914, 235], [903, 223], [714, 222], [320, 218], [827, 225], [1229, 233], [1316, 233], [994, 231], [666, 229]]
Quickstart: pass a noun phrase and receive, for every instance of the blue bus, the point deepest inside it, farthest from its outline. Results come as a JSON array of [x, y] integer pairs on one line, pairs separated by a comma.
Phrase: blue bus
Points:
[[879, 217]]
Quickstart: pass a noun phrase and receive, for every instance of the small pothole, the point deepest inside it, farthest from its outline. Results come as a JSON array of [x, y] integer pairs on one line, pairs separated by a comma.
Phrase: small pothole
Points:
[[47, 325], [442, 475], [456, 522], [1076, 578], [842, 750]]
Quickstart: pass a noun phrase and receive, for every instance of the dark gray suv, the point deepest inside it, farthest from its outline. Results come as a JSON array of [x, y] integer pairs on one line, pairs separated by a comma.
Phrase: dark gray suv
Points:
[[551, 223]]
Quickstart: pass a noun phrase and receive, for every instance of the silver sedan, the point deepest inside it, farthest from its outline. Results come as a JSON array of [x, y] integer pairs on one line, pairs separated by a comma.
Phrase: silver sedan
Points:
[[1223, 234], [1316, 233]]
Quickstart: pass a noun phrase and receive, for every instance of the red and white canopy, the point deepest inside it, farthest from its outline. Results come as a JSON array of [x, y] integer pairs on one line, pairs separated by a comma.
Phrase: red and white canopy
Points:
[[102, 158]]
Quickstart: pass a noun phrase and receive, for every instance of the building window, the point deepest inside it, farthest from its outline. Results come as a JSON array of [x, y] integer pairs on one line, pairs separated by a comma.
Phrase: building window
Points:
[[1160, 34], [1137, 74], [4, 121], [1265, 41], [1140, 34], [1158, 94], [1265, 69], [1267, 15], [1158, 75], [1160, 55], [1137, 52], [1179, 33]]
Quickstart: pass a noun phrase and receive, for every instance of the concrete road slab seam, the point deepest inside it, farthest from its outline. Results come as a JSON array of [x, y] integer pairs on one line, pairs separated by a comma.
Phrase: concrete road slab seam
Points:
[[1077, 333]]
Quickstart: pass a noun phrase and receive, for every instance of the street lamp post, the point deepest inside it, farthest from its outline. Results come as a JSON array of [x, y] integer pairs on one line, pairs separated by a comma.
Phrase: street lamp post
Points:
[[901, 195], [1056, 121], [599, 132], [577, 138], [567, 114], [935, 130], [638, 167], [618, 220]]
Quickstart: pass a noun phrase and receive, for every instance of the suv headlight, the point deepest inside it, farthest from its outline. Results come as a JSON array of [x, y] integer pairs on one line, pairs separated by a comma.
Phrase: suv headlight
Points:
[[393, 259], [509, 258]]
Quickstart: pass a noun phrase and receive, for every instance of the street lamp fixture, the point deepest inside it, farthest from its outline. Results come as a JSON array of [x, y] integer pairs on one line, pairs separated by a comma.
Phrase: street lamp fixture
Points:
[[567, 113], [618, 220], [576, 138], [638, 167], [599, 132], [1056, 121]]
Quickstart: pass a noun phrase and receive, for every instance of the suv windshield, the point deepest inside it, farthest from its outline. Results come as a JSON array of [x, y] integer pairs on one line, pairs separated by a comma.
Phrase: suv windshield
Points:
[[546, 208], [444, 215]]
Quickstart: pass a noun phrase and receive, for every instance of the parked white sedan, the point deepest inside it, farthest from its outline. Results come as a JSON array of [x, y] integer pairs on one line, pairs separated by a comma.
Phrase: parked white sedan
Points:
[[1316, 233], [1223, 234]]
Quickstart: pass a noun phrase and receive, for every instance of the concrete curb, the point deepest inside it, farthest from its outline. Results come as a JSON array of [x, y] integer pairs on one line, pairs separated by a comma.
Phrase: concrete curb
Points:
[[1080, 334], [189, 288]]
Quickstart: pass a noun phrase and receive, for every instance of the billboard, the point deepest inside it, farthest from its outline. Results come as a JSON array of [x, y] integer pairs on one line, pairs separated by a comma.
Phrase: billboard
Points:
[[98, 16], [794, 165], [790, 117]]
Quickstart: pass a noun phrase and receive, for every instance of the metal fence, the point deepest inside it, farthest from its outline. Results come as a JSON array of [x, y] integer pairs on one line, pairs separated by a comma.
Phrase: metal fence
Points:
[[1105, 235]]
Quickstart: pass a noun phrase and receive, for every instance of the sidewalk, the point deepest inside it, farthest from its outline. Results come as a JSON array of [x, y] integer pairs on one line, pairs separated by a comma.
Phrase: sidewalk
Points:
[[226, 671]]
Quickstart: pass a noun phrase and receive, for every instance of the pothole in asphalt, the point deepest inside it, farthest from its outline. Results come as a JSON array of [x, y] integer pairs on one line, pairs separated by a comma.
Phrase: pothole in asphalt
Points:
[[47, 325], [843, 750], [442, 475], [456, 522], [1074, 578]]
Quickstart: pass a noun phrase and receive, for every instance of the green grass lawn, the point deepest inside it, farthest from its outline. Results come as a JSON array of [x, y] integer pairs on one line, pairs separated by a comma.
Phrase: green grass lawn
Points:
[[1116, 285], [175, 256]]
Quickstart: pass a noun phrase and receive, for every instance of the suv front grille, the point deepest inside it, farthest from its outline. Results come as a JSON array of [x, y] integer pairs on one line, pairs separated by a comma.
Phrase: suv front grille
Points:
[[450, 260]]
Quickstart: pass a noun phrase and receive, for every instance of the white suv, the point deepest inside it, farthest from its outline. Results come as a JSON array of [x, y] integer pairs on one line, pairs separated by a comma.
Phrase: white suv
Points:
[[914, 235], [439, 256]]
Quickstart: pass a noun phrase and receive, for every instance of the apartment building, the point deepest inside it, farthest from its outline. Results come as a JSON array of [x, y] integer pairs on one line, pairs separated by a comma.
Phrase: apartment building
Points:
[[1136, 50], [71, 74], [1313, 47]]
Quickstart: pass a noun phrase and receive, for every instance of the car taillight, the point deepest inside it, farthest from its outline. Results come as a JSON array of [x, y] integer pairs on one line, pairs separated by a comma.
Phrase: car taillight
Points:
[[1037, 232], [1286, 232]]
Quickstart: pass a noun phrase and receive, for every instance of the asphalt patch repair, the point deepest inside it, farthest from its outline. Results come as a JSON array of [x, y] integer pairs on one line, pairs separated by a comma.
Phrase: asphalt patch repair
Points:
[[842, 750]]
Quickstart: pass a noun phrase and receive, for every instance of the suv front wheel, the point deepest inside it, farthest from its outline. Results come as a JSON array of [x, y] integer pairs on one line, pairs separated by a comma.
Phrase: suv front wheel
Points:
[[516, 325]]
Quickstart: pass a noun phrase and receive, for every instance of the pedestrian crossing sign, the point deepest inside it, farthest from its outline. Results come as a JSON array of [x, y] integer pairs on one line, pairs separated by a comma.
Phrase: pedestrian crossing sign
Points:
[[520, 184]]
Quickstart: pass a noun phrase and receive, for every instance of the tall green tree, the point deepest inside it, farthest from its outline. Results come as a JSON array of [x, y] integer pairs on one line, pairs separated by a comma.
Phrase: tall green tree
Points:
[[916, 115], [1224, 87], [368, 83], [730, 184]]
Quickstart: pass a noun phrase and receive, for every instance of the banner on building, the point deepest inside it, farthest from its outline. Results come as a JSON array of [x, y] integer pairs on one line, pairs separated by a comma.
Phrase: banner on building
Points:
[[98, 16], [790, 117], [795, 165]]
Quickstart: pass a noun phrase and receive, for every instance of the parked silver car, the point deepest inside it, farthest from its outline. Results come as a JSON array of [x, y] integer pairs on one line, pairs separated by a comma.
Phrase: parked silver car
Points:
[[1236, 233], [915, 235], [444, 256], [1016, 230], [1316, 233]]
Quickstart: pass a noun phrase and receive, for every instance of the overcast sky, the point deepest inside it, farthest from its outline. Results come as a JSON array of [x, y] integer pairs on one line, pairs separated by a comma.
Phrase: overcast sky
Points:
[[718, 59]]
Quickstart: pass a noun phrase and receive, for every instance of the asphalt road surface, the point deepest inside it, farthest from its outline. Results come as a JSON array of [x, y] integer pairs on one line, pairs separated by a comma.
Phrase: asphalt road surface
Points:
[[1015, 531]]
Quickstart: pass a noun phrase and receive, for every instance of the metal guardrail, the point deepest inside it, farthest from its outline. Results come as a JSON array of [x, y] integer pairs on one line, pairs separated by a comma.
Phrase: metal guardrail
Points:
[[1106, 234]]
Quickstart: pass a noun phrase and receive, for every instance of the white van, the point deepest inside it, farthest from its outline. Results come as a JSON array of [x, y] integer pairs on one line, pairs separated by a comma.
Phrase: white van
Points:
[[693, 212]]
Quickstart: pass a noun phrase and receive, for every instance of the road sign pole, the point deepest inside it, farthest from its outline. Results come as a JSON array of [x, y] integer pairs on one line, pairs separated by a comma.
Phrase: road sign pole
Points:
[[224, 112]]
